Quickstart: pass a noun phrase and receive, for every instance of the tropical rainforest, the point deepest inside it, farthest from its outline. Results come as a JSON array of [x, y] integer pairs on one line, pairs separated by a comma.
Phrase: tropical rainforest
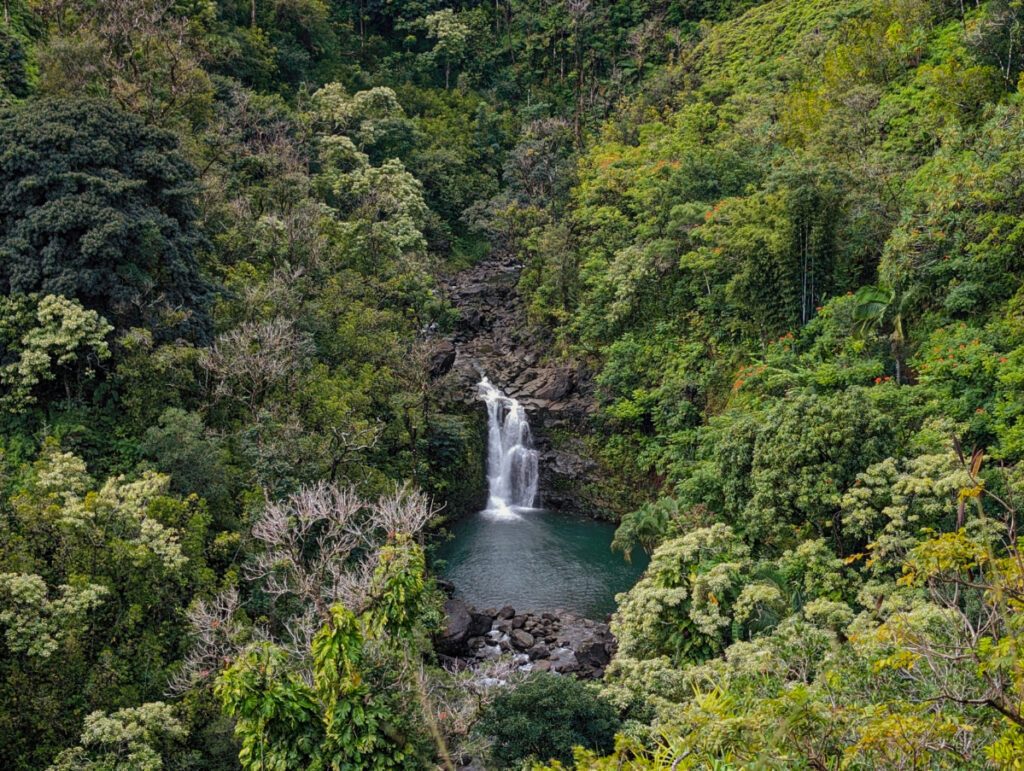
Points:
[[787, 239]]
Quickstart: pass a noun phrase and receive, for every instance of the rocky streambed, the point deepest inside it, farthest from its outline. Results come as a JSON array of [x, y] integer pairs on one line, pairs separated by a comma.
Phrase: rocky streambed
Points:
[[562, 642]]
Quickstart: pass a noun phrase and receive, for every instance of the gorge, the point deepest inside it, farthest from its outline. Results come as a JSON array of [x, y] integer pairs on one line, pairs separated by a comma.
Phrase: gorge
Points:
[[535, 559]]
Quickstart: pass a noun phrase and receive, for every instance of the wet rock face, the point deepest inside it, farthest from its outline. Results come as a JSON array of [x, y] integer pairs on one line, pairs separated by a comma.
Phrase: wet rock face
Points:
[[560, 642], [442, 358], [493, 337]]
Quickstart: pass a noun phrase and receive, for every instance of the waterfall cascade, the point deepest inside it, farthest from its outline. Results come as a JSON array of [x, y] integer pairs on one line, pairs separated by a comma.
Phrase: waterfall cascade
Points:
[[511, 459]]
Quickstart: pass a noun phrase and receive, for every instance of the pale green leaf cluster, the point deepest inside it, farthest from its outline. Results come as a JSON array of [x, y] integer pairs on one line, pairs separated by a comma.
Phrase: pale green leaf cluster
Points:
[[63, 334], [37, 624], [126, 740]]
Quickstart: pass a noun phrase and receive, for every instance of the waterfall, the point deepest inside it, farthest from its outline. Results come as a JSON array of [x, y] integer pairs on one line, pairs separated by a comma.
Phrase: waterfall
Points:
[[511, 459]]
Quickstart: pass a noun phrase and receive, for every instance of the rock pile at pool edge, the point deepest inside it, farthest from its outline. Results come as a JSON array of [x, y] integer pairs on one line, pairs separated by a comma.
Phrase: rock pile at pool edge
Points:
[[562, 642]]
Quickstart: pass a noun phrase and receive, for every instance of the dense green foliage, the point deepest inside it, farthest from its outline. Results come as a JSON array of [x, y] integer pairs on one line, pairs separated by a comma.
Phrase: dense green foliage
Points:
[[544, 717], [84, 184], [798, 279], [785, 236]]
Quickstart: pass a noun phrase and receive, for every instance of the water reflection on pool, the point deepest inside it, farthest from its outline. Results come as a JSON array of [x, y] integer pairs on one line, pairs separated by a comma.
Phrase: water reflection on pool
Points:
[[538, 561]]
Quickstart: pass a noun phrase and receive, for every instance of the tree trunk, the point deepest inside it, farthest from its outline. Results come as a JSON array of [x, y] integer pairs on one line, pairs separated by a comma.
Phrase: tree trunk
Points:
[[252, 14]]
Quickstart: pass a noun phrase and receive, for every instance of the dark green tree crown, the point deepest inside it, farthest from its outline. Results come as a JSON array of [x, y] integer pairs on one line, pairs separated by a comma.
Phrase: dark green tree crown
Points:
[[97, 206]]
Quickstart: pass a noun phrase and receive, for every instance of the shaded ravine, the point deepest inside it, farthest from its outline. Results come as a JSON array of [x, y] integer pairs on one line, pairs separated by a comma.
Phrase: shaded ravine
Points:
[[552, 563], [494, 339]]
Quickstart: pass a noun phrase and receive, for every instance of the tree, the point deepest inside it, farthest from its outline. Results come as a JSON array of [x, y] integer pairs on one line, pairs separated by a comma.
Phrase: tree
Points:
[[94, 581], [880, 307], [98, 207], [974, 575], [139, 52], [59, 338], [450, 34], [133, 739], [545, 717], [13, 78], [330, 688]]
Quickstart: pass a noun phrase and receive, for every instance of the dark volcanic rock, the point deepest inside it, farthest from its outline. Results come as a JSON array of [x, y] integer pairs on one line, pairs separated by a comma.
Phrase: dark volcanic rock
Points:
[[458, 620], [521, 640], [593, 655], [538, 651], [560, 642], [480, 623], [552, 385], [441, 359]]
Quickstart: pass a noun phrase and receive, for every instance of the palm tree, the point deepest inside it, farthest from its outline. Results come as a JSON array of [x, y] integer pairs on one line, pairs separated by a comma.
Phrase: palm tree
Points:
[[879, 307]]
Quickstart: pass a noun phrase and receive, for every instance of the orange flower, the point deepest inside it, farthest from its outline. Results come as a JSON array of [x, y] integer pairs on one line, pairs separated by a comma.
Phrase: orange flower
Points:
[[878, 380], [979, 410]]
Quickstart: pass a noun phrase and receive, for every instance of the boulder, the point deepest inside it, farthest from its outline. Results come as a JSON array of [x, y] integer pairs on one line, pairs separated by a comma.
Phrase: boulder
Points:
[[565, 662], [441, 359], [456, 630], [507, 612], [479, 624], [551, 385], [542, 666], [521, 640], [538, 651], [593, 655]]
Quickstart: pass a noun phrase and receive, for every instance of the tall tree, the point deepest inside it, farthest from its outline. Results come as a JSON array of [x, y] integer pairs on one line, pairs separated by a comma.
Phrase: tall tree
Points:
[[98, 207]]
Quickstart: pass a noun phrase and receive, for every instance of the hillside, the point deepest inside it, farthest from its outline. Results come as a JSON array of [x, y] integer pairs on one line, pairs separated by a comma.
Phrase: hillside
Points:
[[754, 270]]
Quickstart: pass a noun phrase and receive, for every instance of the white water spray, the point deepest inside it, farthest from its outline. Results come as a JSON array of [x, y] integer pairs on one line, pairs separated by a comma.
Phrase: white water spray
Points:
[[511, 459]]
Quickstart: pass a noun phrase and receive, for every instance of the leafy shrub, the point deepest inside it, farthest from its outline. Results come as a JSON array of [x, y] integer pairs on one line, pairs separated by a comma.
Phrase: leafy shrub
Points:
[[546, 717]]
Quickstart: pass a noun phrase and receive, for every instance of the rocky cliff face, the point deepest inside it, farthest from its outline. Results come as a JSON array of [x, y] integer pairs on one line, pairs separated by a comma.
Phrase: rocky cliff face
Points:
[[493, 338]]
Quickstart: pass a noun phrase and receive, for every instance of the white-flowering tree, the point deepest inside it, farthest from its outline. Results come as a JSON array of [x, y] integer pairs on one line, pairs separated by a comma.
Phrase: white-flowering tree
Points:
[[50, 339]]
